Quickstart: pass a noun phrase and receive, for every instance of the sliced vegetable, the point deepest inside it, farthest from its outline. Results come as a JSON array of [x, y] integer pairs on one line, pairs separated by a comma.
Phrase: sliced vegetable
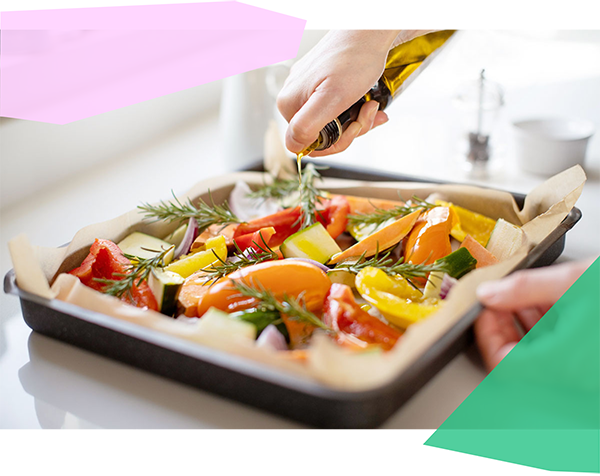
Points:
[[363, 205], [380, 240], [257, 317], [298, 320], [248, 208], [505, 240], [331, 214], [392, 299], [165, 286], [271, 338], [177, 236], [313, 243], [220, 324], [397, 285], [360, 231], [188, 265], [187, 240], [429, 240], [145, 246], [257, 240], [298, 331], [290, 278], [434, 284], [447, 284], [343, 314], [192, 290], [321, 266], [458, 263], [214, 231], [106, 261], [342, 276], [334, 216], [470, 223], [483, 256], [285, 222]]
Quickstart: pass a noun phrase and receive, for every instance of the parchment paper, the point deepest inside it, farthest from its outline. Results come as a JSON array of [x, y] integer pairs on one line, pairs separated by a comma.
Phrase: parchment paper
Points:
[[545, 207]]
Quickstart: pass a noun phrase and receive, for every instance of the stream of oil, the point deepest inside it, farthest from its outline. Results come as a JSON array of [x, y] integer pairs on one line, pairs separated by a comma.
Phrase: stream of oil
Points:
[[303, 154]]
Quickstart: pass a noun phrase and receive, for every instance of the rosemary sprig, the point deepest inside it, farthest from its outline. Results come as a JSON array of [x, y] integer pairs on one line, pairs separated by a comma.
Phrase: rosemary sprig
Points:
[[137, 272], [206, 215], [294, 308], [309, 196], [409, 271], [277, 189], [381, 215], [248, 258]]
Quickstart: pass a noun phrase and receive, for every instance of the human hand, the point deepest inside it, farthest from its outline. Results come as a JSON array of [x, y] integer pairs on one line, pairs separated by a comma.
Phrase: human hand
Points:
[[520, 299], [335, 74]]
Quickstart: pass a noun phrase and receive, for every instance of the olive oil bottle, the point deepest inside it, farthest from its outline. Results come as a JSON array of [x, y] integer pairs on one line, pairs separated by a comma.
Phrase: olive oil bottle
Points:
[[401, 64]]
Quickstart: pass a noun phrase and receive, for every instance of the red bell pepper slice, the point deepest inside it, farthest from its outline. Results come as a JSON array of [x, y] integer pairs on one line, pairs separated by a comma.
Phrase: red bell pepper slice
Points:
[[343, 314], [334, 216], [285, 223], [256, 240], [106, 261]]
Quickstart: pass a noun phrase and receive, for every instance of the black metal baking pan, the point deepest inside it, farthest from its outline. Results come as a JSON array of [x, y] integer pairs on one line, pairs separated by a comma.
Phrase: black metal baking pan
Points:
[[253, 383]]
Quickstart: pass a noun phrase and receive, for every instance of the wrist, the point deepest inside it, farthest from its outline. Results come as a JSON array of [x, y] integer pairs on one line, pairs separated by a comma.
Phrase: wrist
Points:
[[374, 41], [406, 35]]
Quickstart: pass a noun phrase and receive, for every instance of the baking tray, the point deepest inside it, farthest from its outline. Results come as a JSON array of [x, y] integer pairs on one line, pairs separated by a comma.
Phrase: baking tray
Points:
[[257, 384]]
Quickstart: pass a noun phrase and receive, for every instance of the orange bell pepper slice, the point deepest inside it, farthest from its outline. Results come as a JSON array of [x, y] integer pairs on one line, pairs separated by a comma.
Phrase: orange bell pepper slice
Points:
[[429, 240], [380, 240], [283, 277]]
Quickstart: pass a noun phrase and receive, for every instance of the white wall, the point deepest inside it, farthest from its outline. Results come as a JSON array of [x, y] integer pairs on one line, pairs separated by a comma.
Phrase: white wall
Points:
[[35, 155]]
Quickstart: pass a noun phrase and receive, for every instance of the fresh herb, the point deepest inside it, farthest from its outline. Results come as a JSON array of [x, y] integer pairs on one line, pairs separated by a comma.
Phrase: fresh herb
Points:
[[206, 215], [259, 318], [409, 271], [294, 308], [277, 189], [381, 215], [241, 259], [309, 196], [136, 273]]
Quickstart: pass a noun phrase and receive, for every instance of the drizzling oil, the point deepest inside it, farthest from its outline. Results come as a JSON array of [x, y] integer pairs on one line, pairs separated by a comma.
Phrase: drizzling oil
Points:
[[401, 64]]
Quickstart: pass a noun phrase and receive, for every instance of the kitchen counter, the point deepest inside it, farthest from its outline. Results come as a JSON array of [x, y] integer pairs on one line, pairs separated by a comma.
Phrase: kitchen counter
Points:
[[49, 384]]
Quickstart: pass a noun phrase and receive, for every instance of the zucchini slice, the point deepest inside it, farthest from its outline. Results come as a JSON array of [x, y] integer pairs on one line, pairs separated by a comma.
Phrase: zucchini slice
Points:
[[313, 243], [138, 244], [165, 286]]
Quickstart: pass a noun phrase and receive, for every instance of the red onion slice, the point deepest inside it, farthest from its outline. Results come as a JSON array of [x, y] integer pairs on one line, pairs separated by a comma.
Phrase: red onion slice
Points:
[[271, 338], [321, 266], [191, 233], [446, 285]]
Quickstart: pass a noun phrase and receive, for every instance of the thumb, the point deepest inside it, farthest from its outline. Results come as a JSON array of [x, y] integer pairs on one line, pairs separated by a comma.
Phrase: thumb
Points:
[[322, 107], [541, 286]]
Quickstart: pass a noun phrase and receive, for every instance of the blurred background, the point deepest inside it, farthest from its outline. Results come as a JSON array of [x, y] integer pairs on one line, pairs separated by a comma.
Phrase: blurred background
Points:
[[219, 126]]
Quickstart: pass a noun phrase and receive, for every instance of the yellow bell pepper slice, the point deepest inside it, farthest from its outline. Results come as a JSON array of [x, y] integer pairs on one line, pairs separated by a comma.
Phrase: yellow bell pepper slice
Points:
[[188, 265], [394, 297], [374, 278], [465, 222]]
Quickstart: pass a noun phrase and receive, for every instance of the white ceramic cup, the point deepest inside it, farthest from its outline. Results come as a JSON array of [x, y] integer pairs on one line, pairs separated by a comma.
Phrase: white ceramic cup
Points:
[[549, 146]]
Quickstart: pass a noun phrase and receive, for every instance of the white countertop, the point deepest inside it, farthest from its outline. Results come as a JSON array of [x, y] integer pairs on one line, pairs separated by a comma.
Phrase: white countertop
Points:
[[49, 384]]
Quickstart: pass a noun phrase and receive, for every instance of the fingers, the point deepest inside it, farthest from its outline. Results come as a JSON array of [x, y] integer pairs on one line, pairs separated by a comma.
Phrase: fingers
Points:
[[529, 317], [322, 106], [529, 288], [368, 118], [495, 334], [380, 118]]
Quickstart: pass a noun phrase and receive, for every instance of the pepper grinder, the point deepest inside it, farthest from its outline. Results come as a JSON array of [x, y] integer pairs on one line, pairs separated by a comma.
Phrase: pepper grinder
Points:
[[481, 100]]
